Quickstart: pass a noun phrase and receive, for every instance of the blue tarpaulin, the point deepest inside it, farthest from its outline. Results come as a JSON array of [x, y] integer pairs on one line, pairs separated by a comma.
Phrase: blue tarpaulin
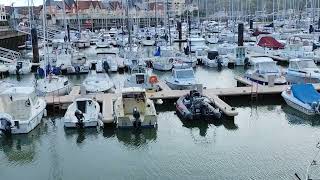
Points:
[[158, 53], [306, 93]]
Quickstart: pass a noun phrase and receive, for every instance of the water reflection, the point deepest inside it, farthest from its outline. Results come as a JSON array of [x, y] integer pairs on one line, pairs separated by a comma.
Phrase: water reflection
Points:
[[204, 131], [131, 137], [80, 135], [296, 117], [22, 148]]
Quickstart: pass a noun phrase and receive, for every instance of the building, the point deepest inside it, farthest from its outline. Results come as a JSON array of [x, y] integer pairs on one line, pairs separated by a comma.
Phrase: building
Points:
[[3, 14]]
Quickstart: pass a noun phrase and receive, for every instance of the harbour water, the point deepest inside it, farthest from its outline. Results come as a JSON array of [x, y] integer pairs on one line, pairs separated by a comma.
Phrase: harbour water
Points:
[[264, 142]]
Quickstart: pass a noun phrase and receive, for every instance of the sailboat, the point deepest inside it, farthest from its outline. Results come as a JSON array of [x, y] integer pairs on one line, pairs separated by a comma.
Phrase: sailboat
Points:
[[51, 84]]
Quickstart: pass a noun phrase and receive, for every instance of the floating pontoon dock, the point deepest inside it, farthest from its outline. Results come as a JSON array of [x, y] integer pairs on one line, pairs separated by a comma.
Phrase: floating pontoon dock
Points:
[[107, 99]]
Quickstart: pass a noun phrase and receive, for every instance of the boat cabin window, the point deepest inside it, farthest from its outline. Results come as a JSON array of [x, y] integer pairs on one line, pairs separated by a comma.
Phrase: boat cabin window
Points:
[[140, 78], [184, 74], [306, 64], [293, 65], [267, 67]]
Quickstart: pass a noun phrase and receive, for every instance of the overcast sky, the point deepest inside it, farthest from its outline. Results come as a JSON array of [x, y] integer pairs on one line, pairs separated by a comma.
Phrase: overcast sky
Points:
[[20, 2]]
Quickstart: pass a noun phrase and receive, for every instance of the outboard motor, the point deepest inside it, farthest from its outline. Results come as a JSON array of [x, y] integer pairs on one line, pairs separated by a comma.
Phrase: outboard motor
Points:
[[18, 67], [77, 69], [5, 126], [219, 62], [246, 63], [80, 117], [106, 66], [136, 115]]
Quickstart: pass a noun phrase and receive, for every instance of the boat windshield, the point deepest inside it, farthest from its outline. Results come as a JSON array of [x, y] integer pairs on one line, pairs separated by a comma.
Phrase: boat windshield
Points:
[[306, 64], [268, 67], [184, 74]]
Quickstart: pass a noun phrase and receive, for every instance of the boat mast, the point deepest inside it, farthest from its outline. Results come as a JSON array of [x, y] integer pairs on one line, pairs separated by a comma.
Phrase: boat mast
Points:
[[168, 23], [77, 9], [44, 35]]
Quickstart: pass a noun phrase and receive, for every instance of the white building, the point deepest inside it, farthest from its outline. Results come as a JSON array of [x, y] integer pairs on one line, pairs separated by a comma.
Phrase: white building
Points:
[[3, 16]]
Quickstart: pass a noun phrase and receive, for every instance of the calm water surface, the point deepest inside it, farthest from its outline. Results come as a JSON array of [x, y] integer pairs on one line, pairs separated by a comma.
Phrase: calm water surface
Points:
[[263, 142]]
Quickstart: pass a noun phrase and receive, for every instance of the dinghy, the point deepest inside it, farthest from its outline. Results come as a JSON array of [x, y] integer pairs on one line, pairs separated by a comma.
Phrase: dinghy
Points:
[[194, 106], [304, 98]]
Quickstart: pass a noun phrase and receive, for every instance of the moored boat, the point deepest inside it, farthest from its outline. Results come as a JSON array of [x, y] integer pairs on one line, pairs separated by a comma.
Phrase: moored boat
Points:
[[194, 106], [303, 97], [182, 79], [83, 112], [134, 110], [20, 110]]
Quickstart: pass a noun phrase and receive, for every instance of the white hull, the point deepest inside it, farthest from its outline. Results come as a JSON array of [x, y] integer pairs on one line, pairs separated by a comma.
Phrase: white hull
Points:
[[148, 42], [180, 86], [59, 92], [91, 116], [86, 124], [298, 105], [27, 126], [149, 121]]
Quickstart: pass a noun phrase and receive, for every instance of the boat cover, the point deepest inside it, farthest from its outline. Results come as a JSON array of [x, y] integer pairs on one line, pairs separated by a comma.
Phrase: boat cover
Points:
[[306, 93], [270, 42]]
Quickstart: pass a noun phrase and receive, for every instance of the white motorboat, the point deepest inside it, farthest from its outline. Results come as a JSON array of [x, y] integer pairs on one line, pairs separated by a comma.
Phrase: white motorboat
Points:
[[134, 110], [104, 41], [82, 113], [304, 98], [139, 77], [53, 86], [97, 83], [302, 71], [212, 39], [265, 71], [20, 110], [20, 67], [182, 79], [148, 40], [164, 59], [213, 59], [112, 63]]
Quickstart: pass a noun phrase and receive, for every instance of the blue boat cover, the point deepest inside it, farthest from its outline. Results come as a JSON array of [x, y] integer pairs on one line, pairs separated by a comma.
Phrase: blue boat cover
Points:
[[306, 93]]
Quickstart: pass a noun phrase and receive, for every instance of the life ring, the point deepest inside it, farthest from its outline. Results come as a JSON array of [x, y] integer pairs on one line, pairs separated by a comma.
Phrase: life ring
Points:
[[153, 79]]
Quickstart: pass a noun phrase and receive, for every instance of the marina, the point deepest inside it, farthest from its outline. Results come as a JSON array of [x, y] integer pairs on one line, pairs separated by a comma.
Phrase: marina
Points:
[[171, 89]]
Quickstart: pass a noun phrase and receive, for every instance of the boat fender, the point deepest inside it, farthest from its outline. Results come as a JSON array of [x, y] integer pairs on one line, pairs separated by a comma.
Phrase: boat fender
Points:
[[153, 79]]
